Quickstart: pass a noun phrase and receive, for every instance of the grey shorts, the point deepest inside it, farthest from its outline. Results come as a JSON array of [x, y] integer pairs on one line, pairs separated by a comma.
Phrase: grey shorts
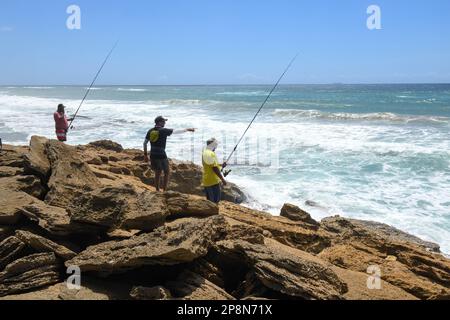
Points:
[[160, 164]]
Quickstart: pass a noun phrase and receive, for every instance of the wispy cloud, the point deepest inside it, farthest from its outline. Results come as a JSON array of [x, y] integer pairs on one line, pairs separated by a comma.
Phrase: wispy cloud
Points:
[[6, 29]]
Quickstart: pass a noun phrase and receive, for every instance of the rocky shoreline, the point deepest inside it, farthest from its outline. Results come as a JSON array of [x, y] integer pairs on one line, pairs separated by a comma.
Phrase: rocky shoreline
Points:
[[92, 207]]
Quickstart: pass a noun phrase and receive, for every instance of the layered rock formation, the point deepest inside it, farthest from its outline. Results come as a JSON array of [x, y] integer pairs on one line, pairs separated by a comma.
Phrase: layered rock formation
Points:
[[93, 207]]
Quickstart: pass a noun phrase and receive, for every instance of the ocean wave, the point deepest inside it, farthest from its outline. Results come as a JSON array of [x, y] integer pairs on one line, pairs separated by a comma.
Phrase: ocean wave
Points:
[[342, 116], [243, 93], [39, 88], [428, 101], [406, 97], [132, 90], [186, 102]]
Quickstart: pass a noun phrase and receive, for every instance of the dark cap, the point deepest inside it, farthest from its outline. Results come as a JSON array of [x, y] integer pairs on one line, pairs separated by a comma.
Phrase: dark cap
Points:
[[61, 107], [160, 119]]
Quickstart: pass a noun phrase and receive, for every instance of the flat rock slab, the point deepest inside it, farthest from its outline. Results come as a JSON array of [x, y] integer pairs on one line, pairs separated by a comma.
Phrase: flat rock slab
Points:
[[12, 156], [41, 244], [181, 205], [15, 205], [91, 289], [359, 290], [12, 204], [28, 184], [296, 274], [29, 273], [396, 273], [10, 250], [127, 207], [290, 233], [179, 242], [10, 171], [120, 207]]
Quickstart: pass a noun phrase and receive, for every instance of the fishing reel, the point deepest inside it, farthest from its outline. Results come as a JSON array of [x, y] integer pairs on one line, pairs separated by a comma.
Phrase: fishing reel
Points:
[[226, 172]]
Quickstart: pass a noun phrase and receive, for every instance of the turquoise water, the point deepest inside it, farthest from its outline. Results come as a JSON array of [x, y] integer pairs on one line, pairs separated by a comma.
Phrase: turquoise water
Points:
[[376, 152]]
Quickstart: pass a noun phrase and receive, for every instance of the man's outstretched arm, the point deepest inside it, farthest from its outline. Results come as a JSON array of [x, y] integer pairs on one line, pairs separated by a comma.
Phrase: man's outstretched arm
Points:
[[183, 131]]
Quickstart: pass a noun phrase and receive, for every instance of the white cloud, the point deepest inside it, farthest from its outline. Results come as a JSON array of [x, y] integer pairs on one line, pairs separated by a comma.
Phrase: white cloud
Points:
[[6, 29]]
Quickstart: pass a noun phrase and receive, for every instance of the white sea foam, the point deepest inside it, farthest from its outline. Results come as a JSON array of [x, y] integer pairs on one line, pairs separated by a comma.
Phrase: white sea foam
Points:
[[246, 93], [132, 90], [396, 174], [378, 116], [39, 88]]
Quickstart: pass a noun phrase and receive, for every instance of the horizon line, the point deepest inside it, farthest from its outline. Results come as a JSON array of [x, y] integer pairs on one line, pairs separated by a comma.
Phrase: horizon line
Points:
[[228, 84]]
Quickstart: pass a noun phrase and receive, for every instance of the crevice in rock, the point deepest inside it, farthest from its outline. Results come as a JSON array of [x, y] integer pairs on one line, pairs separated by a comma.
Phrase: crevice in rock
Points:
[[147, 276], [232, 268]]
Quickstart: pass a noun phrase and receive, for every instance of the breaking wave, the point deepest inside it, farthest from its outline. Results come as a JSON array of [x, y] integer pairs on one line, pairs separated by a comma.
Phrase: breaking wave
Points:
[[132, 90], [342, 116]]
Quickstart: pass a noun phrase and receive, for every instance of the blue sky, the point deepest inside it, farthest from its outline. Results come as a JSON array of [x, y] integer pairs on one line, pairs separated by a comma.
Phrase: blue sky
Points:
[[224, 41]]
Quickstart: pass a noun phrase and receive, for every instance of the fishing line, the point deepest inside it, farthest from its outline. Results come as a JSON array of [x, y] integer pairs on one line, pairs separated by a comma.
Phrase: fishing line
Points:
[[260, 108], [92, 84]]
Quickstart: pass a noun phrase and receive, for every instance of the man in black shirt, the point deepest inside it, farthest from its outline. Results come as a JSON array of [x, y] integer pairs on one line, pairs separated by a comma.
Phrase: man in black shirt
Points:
[[158, 157]]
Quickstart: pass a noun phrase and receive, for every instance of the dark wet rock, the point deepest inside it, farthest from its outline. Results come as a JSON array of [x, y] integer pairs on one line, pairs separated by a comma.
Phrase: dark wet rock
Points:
[[107, 145], [294, 213]]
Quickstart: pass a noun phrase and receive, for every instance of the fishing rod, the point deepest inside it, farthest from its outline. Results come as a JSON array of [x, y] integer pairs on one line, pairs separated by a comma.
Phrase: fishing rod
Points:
[[226, 173], [92, 84]]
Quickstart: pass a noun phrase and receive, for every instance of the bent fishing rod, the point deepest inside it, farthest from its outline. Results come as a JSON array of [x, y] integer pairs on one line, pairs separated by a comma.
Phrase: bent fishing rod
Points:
[[92, 84], [226, 173]]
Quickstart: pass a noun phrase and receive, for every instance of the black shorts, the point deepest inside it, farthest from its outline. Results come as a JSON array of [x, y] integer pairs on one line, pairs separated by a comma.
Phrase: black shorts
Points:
[[160, 164]]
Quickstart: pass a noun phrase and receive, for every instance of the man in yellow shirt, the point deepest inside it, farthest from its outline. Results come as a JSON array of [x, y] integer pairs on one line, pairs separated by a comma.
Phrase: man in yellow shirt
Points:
[[212, 175]]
